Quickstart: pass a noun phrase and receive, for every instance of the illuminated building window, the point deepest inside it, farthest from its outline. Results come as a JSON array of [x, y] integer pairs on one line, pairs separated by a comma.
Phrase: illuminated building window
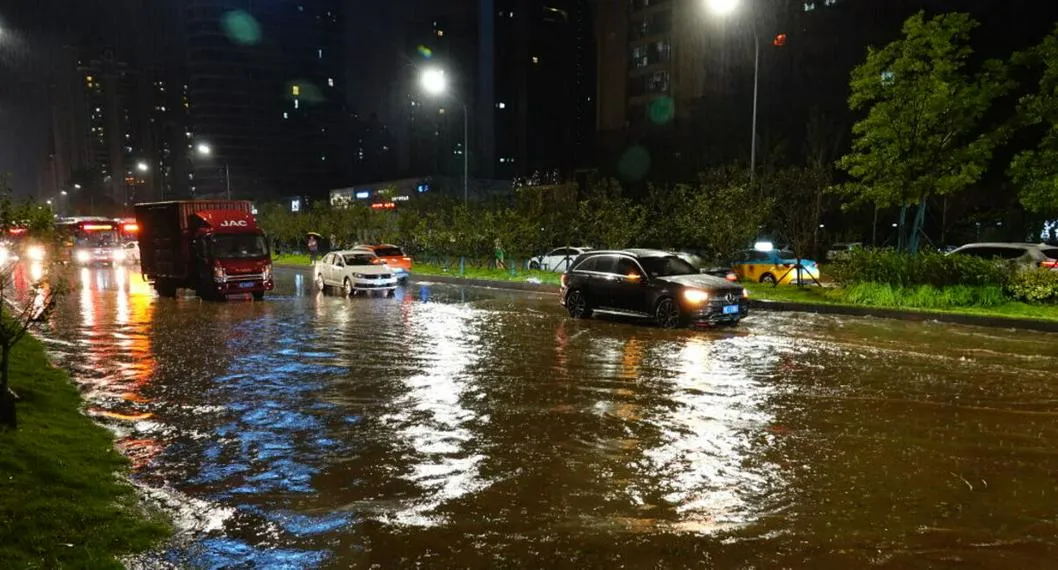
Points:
[[286, 115], [295, 103], [319, 53], [536, 59], [501, 105], [330, 82], [295, 90]]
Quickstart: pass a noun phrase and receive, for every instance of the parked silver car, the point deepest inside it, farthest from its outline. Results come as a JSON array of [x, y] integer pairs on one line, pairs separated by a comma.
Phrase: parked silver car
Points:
[[1026, 254]]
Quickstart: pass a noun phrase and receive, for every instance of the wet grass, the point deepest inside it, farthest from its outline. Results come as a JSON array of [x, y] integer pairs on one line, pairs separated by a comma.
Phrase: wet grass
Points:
[[63, 503], [470, 271], [981, 301]]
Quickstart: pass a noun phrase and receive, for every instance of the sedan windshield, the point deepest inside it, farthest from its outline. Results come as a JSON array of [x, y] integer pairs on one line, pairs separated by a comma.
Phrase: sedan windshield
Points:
[[239, 246], [389, 252], [360, 259], [666, 266]]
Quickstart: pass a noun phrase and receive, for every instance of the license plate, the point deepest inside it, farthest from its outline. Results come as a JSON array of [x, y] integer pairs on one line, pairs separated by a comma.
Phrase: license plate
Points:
[[247, 285], [731, 310]]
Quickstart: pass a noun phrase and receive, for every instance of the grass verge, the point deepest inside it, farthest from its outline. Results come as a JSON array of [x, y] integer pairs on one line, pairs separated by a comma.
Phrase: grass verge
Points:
[[981, 301], [470, 272], [63, 502]]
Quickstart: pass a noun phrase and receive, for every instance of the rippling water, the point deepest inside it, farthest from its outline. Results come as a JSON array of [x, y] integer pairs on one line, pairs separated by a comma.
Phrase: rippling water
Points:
[[452, 427]]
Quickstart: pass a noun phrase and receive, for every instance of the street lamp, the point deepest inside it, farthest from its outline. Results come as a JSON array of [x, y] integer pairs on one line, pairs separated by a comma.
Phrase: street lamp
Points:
[[435, 82], [142, 166], [205, 150], [76, 186], [724, 9]]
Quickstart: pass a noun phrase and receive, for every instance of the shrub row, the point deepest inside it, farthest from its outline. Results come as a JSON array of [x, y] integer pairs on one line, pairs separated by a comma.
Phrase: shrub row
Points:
[[930, 279]]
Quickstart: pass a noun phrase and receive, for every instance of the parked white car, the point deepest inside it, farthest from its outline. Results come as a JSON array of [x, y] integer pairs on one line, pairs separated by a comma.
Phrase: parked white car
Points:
[[1025, 254], [132, 252], [354, 272], [557, 260]]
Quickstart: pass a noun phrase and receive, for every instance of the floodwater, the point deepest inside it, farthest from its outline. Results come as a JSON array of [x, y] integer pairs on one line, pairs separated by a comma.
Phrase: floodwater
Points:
[[469, 428]]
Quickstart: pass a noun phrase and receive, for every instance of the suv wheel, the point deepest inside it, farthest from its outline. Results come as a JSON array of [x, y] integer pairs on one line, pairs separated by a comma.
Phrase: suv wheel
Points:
[[667, 314], [767, 279], [577, 305]]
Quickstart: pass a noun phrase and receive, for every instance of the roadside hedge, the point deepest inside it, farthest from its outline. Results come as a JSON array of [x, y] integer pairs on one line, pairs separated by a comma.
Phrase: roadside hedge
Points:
[[901, 269], [1034, 286]]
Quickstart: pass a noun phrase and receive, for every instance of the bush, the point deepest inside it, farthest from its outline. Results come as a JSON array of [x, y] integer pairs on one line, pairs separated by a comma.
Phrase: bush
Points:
[[921, 296], [904, 270], [1034, 286]]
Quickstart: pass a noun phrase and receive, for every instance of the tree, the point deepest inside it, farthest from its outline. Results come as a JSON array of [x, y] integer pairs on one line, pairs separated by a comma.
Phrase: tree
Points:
[[1036, 171], [18, 317], [922, 134], [796, 214], [609, 220]]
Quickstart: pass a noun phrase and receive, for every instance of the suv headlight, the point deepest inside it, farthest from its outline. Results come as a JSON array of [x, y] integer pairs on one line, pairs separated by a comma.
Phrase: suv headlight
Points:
[[695, 296], [83, 256]]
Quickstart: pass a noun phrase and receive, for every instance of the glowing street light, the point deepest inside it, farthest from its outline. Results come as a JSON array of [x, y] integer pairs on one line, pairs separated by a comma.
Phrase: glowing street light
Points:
[[206, 150], [435, 82], [76, 186], [722, 7], [142, 166]]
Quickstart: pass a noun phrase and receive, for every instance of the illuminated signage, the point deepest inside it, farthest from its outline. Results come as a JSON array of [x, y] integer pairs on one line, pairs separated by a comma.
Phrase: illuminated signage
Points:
[[363, 194], [295, 205], [383, 205], [423, 188], [401, 198], [233, 224]]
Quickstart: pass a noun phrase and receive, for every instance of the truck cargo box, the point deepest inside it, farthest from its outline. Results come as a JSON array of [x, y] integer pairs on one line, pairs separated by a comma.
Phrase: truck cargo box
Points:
[[165, 234]]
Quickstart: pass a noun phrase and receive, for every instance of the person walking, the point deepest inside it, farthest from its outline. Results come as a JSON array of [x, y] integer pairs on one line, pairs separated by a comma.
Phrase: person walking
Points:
[[499, 255], [314, 247]]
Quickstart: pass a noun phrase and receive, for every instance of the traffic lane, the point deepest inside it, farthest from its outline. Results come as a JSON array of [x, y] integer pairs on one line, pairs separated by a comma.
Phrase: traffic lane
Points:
[[330, 431]]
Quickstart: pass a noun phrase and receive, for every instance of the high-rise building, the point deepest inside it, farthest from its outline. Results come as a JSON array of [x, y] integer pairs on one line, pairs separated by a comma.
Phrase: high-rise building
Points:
[[267, 97]]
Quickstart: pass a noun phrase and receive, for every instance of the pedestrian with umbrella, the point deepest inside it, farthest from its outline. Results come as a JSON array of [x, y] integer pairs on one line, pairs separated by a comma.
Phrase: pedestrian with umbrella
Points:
[[314, 245]]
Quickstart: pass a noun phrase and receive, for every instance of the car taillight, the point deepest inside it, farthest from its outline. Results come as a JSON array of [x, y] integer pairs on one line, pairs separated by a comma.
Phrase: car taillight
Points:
[[406, 258], [731, 276], [1049, 264]]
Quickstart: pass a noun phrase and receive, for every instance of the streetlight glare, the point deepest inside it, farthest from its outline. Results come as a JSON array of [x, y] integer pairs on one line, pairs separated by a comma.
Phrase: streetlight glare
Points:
[[63, 193], [434, 81], [204, 149], [77, 186], [722, 7], [142, 166]]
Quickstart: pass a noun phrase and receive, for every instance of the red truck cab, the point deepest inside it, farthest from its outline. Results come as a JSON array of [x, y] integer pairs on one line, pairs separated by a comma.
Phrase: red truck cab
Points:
[[211, 246]]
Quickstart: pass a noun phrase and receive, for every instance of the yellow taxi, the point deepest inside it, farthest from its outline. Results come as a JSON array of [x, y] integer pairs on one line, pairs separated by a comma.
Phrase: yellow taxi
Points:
[[764, 264]]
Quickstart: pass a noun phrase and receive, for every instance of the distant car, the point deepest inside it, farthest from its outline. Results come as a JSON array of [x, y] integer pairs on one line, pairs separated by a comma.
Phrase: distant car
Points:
[[840, 250], [653, 284], [773, 266], [353, 272], [1025, 254], [391, 255], [557, 260], [724, 272]]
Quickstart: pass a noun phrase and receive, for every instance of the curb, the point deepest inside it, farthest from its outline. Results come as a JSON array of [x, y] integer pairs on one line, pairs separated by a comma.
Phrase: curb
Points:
[[917, 316], [488, 283]]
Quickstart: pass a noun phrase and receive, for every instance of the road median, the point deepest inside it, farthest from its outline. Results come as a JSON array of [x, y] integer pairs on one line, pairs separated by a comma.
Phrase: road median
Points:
[[65, 501]]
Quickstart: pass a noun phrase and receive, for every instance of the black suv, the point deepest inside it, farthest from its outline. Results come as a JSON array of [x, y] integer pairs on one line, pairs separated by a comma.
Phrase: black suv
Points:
[[652, 284]]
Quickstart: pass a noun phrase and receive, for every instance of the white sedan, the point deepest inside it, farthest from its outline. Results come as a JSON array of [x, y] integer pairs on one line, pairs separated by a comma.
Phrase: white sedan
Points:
[[353, 272], [557, 260]]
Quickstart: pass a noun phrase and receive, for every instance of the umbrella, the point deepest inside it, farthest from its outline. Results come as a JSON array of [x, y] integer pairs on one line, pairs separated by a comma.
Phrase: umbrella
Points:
[[314, 234]]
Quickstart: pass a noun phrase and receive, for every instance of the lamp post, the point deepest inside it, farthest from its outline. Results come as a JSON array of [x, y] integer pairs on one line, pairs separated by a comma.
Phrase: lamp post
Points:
[[434, 82], [204, 149], [724, 9]]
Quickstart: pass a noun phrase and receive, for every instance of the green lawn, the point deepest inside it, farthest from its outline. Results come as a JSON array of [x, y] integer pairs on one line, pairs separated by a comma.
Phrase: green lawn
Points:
[[63, 503], [832, 296], [470, 272]]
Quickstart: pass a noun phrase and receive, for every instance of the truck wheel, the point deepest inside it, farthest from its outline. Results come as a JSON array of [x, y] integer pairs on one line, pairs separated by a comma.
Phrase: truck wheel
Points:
[[165, 288]]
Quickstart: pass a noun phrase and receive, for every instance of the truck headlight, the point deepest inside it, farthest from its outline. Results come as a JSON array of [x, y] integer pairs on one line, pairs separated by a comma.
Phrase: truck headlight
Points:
[[83, 257], [219, 275], [35, 252], [695, 296], [266, 273], [4, 255]]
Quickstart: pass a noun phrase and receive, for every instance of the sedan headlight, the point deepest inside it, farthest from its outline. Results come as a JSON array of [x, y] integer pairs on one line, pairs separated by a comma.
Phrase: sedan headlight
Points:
[[358, 275], [35, 252], [219, 274], [695, 296], [83, 256]]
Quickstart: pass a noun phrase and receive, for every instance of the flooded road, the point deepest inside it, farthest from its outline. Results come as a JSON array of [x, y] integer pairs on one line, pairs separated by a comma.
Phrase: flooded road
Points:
[[469, 428]]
